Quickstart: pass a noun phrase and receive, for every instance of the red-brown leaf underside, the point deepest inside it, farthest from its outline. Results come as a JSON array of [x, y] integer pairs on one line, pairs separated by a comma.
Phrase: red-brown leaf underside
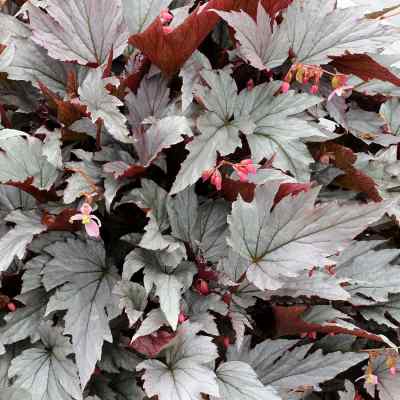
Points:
[[364, 67], [169, 51]]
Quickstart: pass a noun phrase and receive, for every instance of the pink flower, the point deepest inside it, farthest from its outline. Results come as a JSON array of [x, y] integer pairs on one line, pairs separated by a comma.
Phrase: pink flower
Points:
[[215, 177], [340, 85], [314, 89], [244, 168], [285, 87], [166, 16], [340, 91], [202, 287], [372, 379], [182, 317], [250, 85], [91, 222]]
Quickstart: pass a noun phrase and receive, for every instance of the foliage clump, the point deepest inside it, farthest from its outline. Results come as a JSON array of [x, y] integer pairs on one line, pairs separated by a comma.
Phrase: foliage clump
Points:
[[199, 200]]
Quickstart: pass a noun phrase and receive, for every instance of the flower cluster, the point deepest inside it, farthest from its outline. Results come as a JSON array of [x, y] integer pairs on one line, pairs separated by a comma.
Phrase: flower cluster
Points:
[[304, 74], [244, 168]]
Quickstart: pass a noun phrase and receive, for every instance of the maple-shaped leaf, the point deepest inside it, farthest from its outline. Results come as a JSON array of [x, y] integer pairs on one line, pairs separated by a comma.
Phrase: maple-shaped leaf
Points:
[[14, 242], [162, 134], [349, 393], [384, 169], [294, 235], [388, 385], [14, 394], [355, 177], [116, 357], [316, 30], [103, 106], [390, 113], [133, 299], [10, 28], [170, 50], [82, 31], [154, 320], [25, 321], [190, 74], [153, 199], [169, 280], [319, 284], [12, 198], [154, 128], [368, 127], [383, 313], [262, 44], [275, 365], [7, 51], [149, 102], [125, 389], [139, 14], [13, 26], [85, 282], [24, 157], [238, 381], [203, 226], [278, 133], [46, 371], [85, 173], [375, 280], [296, 368], [196, 307], [185, 374], [326, 316], [31, 63], [219, 132], [19, 94]]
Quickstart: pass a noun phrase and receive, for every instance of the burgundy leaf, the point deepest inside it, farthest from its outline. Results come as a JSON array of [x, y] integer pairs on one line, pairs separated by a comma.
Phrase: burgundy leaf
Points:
[[151, 345], [364, 67]]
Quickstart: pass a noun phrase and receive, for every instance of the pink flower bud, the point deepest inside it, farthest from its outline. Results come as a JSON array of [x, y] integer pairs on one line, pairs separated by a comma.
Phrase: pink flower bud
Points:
[[244, 168], [285, 87], [182, 317], [216, 180], [206, 175], [250, 84], [227, 298], [314, 89], [166, 16], [226, 342], [202, 287]]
